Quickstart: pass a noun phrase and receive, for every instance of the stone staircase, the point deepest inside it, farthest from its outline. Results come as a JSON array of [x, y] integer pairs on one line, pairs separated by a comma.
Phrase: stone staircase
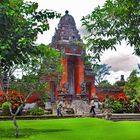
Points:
[[81, 107]]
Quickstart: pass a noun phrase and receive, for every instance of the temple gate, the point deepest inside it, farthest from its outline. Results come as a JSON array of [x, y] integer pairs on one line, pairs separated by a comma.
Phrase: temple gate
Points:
[[77, 79]]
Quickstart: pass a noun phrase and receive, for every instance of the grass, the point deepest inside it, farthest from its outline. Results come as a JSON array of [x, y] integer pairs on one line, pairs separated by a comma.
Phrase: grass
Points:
[[71, 129]]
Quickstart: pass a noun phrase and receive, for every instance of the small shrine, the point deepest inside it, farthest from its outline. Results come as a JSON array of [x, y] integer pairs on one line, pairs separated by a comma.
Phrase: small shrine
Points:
[[77, 79]]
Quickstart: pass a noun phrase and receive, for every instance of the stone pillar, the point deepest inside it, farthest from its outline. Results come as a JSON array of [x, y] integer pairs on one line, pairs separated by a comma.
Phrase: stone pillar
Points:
[[92, 92], [79, 74], [64, 77]]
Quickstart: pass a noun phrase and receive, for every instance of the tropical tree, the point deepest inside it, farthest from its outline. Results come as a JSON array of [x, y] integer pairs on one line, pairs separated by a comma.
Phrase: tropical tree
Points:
[[101, 71], [132, 86], [20, 23], [108, 25]]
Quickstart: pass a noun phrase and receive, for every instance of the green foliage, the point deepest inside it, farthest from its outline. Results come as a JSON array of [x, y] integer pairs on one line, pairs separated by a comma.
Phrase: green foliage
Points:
[[52, 60], [122, 104], [116, 107], [135, 103], [100, 72], [5, 109], [105, 83], [45, 97], [132, 86], [35, 78], [37, 111], [30, 84], [108, 25], [118, 104], [33, 81], [20, 23]]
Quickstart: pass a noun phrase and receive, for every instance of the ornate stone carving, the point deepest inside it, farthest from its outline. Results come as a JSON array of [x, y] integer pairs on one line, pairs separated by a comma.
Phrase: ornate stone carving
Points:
[[83, 88], [66, 88], [88, 70], [66, 32]]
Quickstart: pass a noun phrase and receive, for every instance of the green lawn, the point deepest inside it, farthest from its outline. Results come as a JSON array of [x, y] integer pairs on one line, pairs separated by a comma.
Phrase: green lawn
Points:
[[71, 129]]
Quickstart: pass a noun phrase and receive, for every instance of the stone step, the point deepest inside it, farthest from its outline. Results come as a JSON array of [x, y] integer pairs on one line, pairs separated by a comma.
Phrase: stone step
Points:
[[125, 115], [128, 119], [120, 117], [132, 117]]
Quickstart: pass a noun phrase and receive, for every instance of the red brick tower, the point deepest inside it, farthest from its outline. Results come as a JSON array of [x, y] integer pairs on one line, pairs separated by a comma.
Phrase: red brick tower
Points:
[[77, 79]]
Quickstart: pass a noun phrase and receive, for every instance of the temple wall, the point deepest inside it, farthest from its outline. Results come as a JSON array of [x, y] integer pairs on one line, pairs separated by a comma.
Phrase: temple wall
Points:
[[102, 91]]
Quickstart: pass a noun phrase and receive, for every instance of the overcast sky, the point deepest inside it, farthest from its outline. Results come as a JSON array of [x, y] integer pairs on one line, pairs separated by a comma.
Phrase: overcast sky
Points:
[[122, 61]]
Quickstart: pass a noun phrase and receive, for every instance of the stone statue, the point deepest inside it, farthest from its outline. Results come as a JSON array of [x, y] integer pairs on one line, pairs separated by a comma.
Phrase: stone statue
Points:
[[60, 91], [66, 88], [83, 88]]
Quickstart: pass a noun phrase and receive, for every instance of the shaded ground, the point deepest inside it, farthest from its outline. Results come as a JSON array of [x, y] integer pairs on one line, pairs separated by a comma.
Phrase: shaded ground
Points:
[[71, 129]]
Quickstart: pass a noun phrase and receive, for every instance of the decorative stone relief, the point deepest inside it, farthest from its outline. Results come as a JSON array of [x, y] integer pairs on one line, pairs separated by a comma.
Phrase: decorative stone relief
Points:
[[83, 88]]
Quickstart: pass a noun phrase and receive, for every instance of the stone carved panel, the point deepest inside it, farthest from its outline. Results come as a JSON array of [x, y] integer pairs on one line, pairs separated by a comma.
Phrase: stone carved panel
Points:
[[83, 87], [66, 88]]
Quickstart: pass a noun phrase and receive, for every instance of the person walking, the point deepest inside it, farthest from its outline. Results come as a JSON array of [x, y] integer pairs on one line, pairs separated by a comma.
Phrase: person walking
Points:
[[92, 107]]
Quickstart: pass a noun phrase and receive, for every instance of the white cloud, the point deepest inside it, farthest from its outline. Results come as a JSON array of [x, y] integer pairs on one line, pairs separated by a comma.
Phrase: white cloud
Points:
[[122, 59]]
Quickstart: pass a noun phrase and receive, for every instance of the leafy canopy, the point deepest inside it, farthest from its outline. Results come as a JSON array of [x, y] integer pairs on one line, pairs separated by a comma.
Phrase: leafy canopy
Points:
[[101, 71], [20, 23], [107, 26], [132, 86]]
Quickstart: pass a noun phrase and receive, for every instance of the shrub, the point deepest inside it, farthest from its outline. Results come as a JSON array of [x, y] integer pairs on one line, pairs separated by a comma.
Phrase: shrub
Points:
[[5, 109], [45, 97], [118, 103], [135, 105], [121, 103], [116, 107], [36, 111], [14, 97]]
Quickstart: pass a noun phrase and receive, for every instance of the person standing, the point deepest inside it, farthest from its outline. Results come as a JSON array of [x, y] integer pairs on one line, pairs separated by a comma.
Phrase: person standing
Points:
[[92, 107], [59, 108]]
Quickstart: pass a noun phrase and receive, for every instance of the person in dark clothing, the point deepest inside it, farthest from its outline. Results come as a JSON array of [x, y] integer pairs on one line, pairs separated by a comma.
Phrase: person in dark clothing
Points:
[[59, 109], [92, 108]]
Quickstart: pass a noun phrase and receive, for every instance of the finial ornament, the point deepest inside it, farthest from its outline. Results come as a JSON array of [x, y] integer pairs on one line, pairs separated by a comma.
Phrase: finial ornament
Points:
[[66, 12]]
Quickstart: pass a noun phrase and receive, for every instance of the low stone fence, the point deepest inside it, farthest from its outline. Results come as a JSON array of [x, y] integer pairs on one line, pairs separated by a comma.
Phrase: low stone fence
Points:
[[39, 117], [120, 117], [126, 117]]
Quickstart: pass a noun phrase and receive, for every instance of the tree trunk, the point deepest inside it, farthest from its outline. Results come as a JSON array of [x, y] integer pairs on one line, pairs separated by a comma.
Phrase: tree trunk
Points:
[[16, 126], [6, 86]]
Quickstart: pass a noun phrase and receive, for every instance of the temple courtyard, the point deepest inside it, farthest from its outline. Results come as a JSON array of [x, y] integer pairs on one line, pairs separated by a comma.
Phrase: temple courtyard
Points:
[[71, 129]]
